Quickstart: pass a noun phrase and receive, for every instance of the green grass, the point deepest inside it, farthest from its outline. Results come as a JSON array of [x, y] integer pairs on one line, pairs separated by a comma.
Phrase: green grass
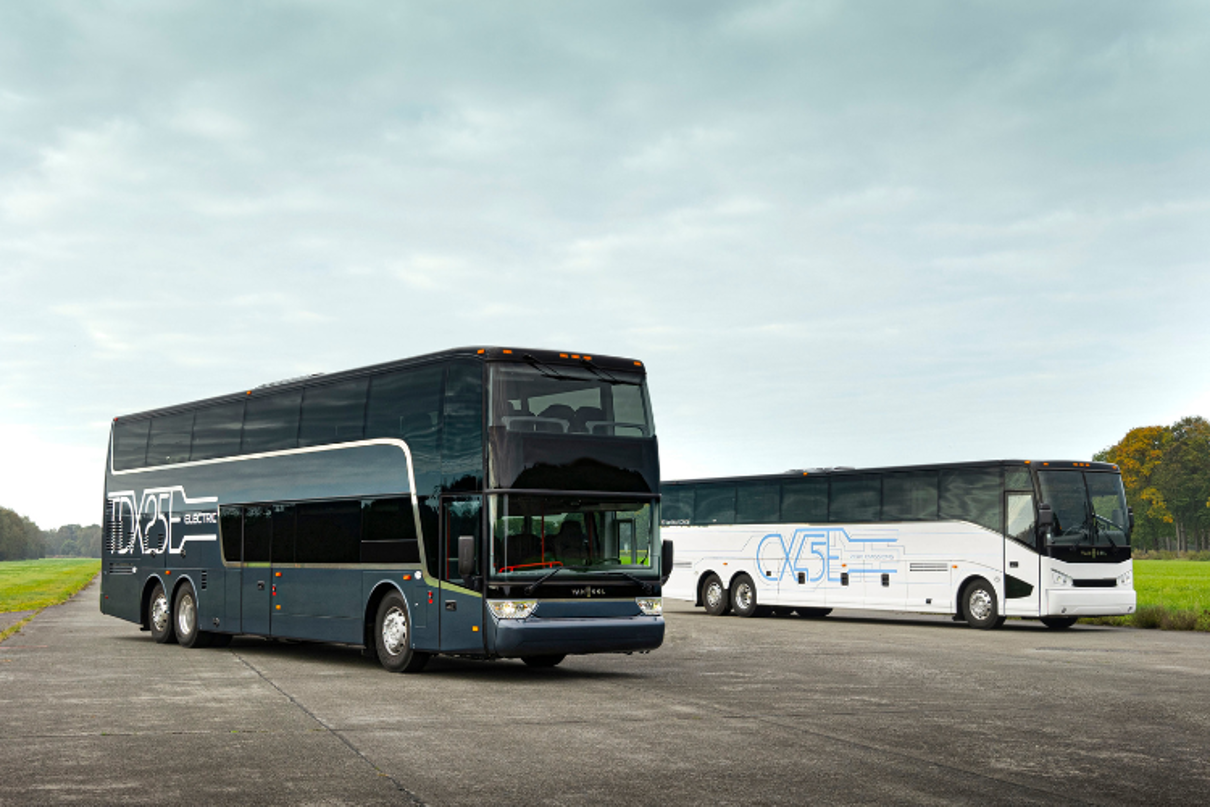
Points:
[[1173, 595], [28, 585]]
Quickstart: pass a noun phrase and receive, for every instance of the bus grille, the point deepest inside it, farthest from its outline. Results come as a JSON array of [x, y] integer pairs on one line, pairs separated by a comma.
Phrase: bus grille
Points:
[[1102, 582]]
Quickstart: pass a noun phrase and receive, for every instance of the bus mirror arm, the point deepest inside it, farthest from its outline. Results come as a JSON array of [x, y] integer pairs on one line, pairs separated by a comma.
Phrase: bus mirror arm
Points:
[[1046, 520], [665, 561]]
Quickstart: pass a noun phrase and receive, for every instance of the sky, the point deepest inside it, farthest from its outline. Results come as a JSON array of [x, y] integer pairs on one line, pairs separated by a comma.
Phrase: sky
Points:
[[837, 233]]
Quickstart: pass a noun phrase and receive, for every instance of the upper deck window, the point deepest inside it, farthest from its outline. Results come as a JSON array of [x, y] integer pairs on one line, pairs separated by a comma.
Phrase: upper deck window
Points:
[[568, 399]]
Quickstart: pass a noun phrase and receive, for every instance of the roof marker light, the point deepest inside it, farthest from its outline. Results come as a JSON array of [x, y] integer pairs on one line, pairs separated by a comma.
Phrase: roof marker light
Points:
[[509, 352], [480, 351], [575, 355], [638, 364], [588, 358], [562, 355]]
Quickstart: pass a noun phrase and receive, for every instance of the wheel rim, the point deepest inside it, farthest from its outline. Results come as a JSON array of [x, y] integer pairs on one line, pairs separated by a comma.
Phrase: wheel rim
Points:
[[743, 596], [186, 615], [714, 594], [980, 604], [395, 631], [159, 612]]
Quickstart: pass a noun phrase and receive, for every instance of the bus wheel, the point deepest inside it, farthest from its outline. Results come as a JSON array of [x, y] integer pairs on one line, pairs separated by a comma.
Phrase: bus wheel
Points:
[[186, 618], [714, 596], [743, 596], [542, 661], [159, 616], [1058, 622], [979, 605], [391, 639]]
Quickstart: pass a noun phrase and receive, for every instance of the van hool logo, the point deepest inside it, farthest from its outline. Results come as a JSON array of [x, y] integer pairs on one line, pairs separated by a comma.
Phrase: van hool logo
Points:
[[588, 591], [159, 520]]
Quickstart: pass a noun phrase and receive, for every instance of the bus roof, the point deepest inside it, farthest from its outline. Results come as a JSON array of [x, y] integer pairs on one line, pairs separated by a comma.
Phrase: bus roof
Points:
[[486, 354], [1040, 464]]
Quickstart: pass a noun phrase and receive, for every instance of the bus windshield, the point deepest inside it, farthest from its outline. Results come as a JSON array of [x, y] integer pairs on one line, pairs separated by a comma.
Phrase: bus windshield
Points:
[[533, 535], [569, 399], [1089, 508]]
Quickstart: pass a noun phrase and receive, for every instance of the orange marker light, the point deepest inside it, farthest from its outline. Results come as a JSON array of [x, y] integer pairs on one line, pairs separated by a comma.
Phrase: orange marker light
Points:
[[479, 351], [167, 572], [279, 607], [561, 356], [508, 352], [588, 358], [475, 629], [277, 574], [638, 364]]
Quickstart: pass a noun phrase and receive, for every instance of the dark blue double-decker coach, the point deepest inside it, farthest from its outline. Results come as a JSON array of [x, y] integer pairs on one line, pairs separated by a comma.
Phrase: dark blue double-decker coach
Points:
[[484, 502]]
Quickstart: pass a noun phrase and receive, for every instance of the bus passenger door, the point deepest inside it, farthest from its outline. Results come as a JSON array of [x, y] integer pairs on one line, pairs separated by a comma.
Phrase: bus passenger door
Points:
[[460, 610], [256, 585], [1022, 563]]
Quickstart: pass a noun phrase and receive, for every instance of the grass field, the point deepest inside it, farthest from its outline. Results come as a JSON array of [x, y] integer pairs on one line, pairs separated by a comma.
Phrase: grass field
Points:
[[1173, 595], [27, 585]]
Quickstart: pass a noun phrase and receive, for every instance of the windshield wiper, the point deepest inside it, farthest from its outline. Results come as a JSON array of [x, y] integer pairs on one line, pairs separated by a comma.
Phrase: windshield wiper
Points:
[[543, 368], [1113, 524], [647, 587], [532, 587]]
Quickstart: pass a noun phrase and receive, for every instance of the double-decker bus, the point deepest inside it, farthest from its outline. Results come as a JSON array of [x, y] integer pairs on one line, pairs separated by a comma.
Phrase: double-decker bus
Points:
[[981, 541], [484, 502]]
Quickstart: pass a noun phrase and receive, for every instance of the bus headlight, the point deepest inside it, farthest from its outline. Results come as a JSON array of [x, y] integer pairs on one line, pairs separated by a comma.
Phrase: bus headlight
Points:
[[1124, 579], [651, 606], [1058, 578], [512, 609]]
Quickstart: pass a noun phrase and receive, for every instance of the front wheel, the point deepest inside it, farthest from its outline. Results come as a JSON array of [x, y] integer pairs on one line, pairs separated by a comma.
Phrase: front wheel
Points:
[[542, 661], [980, 606], [743, 596], [392, 637], [714, 596], [159, 616], [185, 612], [1059, 622]]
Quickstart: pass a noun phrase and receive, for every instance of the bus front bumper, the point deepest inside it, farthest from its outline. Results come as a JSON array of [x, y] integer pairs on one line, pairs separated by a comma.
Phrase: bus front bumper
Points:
[[1090, 602], [538, 637]]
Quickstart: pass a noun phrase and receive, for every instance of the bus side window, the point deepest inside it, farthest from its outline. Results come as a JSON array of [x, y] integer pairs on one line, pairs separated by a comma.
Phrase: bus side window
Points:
[[972, 495], [333, 413], [676, 503], [130, 444], [757, 503], [271, 422], [715, 504], [231, 528], [1021, 519], [216, 431], [855, 499], [910, 496], [804, 500], [170, 438]]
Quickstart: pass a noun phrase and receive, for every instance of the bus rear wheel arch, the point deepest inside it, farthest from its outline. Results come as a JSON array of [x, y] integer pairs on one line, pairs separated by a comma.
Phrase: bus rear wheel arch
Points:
[[714, 595], [979, 605]]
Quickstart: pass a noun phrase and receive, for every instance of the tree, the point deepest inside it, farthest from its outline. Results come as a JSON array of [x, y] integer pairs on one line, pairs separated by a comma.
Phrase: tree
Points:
[[20, 538]]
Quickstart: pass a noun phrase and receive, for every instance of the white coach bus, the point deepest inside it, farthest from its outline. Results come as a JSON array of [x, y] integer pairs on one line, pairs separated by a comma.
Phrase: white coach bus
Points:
[[981, 541]]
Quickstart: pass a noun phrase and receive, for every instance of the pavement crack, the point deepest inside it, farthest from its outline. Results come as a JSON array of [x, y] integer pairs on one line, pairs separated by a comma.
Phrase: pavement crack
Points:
[[411, 797]]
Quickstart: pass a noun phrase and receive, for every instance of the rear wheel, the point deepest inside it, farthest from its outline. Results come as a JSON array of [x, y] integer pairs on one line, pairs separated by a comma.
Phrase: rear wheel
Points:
[[1058, 622], [185, 617], [980, 607], [392, 637], [714, 596], [542, 661], [743, 596], [159, 616]]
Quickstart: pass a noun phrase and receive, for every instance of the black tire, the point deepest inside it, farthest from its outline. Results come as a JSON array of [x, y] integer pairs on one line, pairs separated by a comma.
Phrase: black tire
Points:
[[714, 596], [184, 618], [743, 596], [159, 616], [393, 639], [813, 613], [980, 607], [1059, 622], [542, 661]]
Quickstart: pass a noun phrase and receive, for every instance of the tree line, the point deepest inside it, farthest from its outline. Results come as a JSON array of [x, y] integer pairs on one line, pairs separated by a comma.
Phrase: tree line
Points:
[[22, 539], [1166, 472]]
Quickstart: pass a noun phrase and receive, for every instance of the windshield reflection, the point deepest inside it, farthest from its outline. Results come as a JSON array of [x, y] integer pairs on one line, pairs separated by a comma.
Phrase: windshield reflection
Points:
[[533, 535], [1089, 508]]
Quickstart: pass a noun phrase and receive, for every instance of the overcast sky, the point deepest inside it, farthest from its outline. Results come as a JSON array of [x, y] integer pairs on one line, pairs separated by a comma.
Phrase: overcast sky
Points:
[[851, 233]]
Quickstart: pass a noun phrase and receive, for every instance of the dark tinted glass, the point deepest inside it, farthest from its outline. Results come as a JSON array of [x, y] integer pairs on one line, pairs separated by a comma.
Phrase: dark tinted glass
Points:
[[231, 528], [283, 533], [909, 497], [258, 534], [407, 405], [328, 532], [1017, 479], [855, 498], [130, 444], [804, 499], [462, 426], [972, 495], [715, 504], [216, 431], [388, 532], [334, 414], [676, 503], [271, 422], [170, 439], [757, 502]]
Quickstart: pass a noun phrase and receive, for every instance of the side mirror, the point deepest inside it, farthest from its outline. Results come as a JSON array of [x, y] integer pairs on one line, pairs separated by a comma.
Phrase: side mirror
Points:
[[466, 555], [665, 561], [1046, 520]]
